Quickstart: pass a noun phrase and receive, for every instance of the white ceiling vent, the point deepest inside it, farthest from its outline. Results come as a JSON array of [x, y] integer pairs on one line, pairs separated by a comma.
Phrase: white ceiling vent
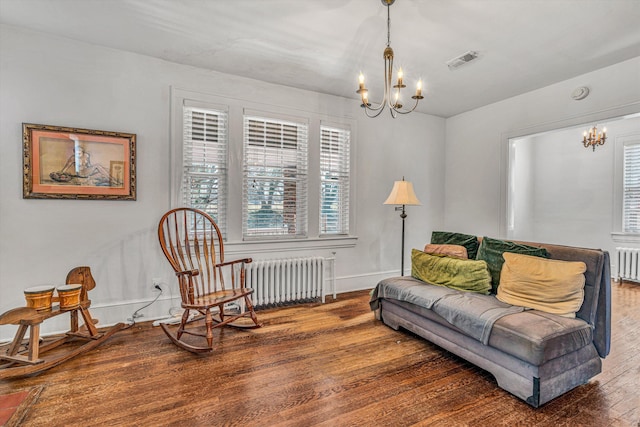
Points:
[[580, 93], [462, 59]]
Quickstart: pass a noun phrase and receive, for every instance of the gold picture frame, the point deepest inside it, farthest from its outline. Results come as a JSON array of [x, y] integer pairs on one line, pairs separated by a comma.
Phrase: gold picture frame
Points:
[[72, 163]]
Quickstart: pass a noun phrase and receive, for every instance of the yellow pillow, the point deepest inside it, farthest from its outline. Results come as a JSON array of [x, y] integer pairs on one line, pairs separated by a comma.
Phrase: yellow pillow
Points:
[[456, 251], [549, 285]]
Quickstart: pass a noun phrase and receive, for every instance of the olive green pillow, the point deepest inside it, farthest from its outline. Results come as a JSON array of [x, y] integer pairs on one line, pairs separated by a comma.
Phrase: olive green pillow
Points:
[[449, 238], [461, 274], [491, 251]]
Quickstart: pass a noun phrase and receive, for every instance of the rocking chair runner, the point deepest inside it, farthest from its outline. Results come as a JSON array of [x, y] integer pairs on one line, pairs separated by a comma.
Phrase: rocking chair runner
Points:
[[192, 242]]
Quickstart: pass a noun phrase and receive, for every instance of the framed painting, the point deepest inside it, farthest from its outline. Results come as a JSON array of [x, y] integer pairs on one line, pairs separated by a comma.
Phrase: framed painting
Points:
[[71, 163]]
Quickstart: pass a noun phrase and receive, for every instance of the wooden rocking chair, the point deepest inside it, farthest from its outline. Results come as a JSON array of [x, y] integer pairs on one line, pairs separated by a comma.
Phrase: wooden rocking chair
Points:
[[209, 286]]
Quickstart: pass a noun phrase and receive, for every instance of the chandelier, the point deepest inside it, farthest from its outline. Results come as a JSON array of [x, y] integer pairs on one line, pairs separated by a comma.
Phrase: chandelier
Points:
[[593, 138], [391, 93]]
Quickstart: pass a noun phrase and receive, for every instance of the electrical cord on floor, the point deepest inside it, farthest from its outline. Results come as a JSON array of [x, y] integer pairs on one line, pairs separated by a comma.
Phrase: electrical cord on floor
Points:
[[135, 314]]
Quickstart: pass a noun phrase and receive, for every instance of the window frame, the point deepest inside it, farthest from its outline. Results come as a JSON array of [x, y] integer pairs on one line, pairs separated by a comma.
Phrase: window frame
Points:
[[342, 174], [619, 234], [276, 156], [234, 244], [220, 147], [629, 188]]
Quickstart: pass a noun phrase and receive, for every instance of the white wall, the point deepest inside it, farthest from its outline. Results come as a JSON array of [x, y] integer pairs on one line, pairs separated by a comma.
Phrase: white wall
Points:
[[476, 148], [61, 82], [570, 190], [521, 188]]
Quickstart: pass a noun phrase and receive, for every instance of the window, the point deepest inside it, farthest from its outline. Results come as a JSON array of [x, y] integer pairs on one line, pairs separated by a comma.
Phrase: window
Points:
[[204, 160], [626, 179], [275, 178], [272, 177], [631, 190], [334, 180]]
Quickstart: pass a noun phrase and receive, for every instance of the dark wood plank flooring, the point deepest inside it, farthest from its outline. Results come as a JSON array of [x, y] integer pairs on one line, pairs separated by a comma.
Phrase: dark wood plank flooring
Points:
[[328, 365]]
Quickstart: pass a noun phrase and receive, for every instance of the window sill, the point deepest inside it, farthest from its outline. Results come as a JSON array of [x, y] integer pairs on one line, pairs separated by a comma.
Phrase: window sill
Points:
[[625, 237], [290, 245]]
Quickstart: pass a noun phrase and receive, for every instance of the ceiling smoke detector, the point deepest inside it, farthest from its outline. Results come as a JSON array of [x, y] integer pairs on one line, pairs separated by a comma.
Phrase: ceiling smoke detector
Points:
[[462, 59], [580, 93]]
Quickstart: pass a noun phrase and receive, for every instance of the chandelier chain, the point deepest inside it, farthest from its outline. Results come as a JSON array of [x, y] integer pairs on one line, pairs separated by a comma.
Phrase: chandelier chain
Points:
[[388, 26]]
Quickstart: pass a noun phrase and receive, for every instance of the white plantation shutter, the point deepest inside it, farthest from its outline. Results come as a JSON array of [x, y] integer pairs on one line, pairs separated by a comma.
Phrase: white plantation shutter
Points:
[[275, 178], [334, 180], [631, 193], [204, 155]]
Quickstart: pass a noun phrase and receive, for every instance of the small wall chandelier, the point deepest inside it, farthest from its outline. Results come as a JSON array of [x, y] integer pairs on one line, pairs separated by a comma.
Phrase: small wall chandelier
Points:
[[395, 105], [593, 138]]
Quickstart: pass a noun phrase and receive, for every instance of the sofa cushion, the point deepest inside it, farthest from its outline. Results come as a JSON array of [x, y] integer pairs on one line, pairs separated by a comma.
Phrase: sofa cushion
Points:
[[491, 251], [456, 251], [548, 285], [469, 241], [537, 337], [462, 274]]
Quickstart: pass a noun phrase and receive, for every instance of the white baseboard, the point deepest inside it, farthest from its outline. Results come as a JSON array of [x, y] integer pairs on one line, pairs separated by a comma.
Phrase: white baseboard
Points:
[[112, 313], [106, 314], [359, 282]]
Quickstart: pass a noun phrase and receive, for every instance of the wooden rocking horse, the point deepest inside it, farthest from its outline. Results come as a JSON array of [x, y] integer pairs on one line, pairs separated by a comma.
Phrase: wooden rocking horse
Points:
[[25, 358], [209, 286]]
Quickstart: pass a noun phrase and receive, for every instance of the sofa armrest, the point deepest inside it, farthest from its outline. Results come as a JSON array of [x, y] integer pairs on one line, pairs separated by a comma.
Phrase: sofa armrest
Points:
[[602, 324]]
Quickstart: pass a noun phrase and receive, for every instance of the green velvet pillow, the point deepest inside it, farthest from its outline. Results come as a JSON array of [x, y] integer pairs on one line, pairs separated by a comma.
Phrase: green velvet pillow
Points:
[[491, 251], [449, 238], [461, 274]]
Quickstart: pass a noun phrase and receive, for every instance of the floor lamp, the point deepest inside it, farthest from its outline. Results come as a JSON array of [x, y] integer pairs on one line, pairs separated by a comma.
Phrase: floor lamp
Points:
[[402, 194]]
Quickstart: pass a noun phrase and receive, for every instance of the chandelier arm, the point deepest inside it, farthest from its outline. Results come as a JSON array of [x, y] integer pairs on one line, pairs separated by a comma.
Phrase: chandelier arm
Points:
[[380, 107], [368, 107], [386, 100], [408, 111], [378, 112], [388, 75]]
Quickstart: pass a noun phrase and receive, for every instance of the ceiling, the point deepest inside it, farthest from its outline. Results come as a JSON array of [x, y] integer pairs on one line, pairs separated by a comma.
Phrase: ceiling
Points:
[[322, 45]]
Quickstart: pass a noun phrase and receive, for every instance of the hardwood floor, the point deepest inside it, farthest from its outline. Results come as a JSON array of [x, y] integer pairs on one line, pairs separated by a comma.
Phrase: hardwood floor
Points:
[[330, 365]]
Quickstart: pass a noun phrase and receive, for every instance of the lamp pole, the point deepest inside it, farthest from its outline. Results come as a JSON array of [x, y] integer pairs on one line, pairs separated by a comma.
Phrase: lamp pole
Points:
[[403, 215]]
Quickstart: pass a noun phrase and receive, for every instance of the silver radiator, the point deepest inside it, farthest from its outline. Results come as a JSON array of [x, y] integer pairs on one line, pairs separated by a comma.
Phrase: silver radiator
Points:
[[628, 268], [289, 280]]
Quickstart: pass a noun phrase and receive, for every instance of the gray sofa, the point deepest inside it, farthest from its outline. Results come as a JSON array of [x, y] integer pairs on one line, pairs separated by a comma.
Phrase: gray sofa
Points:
[[534, 355]]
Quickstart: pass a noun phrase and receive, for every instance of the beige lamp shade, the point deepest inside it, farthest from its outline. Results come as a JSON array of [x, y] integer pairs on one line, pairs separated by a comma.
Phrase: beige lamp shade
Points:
[[402, 194]]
